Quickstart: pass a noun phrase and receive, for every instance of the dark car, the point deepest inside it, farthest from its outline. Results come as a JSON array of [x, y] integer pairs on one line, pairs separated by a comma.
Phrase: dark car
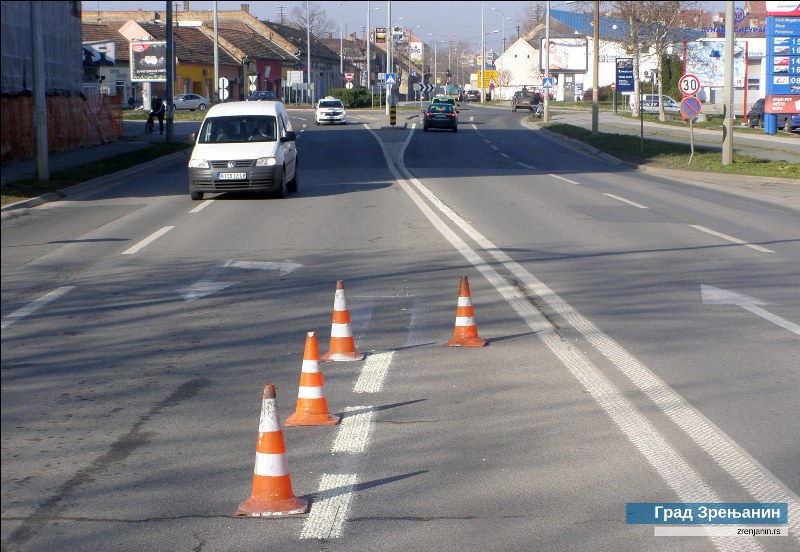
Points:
[[523, 99], [266, 95], [472, 96], [755, 118], [440, 115]]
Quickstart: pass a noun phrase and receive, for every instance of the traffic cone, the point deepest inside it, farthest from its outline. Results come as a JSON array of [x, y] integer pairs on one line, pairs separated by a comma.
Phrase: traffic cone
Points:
[[466, 332], [343, 347], [312, 406], [272, 494]]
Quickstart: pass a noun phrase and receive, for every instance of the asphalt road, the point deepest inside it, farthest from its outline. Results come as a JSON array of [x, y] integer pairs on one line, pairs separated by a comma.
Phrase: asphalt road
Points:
[[642, 335]]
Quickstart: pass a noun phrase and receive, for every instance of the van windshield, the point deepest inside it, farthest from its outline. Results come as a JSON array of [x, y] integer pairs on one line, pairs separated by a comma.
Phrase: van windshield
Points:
[[242, 128]]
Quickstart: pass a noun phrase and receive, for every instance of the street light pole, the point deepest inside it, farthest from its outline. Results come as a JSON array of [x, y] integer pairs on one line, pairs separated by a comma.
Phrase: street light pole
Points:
[[341, 40], [483, 50], [503, 14], [546, 57]]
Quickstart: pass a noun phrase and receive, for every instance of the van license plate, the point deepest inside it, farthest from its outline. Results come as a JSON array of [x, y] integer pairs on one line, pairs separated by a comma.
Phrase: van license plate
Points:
[[231, 176]]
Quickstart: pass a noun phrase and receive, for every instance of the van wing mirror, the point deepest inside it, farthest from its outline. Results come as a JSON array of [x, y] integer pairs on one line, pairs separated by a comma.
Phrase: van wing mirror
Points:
[[289, 137]]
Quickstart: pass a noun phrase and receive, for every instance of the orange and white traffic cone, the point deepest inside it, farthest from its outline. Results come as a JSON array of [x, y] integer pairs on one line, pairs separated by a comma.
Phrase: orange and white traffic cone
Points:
[[312, 406], [272, 494], [343, 347], [466, 332]]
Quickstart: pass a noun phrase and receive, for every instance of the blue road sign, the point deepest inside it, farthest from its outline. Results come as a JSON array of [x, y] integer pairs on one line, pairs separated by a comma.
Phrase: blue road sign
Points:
[[690, 107], [547, 82], [391, 78]]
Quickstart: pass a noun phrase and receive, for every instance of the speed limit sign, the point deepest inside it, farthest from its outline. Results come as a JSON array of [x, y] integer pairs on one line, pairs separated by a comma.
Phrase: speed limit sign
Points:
[[689, 85]]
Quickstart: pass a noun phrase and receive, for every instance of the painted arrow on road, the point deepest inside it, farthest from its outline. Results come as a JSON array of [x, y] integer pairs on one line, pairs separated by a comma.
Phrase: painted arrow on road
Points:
[[716, 296], [208, 284]]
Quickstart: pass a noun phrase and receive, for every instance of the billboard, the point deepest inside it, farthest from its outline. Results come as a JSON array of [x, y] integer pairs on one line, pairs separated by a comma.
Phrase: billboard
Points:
[[706, 60], [99, 53], [148, 61], [415, 52], [567, 54]]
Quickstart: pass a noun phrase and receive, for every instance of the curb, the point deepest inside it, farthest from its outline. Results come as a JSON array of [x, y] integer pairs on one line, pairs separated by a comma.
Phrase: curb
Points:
[[98, 182]]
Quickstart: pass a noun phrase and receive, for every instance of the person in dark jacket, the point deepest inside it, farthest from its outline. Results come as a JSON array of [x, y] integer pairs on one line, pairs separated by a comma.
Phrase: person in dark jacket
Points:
[[158, 111]]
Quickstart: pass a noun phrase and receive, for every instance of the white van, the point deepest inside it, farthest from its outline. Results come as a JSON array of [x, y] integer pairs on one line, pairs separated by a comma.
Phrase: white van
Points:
[[244, 147]]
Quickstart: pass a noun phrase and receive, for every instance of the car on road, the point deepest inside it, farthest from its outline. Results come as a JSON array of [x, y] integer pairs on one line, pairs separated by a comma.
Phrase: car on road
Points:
[[755, 118], [191, 102], [331, 110], [263, 96], [524, 99], [445, 100], [244, 147], [440, 115], [472, 96]]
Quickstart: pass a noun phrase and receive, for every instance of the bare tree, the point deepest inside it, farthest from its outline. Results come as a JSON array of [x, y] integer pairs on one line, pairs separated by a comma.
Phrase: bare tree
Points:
[[320, 23]]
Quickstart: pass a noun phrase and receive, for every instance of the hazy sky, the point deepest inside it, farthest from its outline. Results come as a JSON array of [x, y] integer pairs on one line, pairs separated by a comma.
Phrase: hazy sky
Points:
[[440, 21]]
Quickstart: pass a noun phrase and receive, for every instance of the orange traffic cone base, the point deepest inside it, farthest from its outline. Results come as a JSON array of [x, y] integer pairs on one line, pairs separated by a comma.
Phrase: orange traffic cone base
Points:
[[330, 356], [465, 342], [261, 507], [300, 419]]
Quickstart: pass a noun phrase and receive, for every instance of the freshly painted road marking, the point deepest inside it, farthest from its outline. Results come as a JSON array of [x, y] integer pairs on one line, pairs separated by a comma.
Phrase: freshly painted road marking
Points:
[[353, 433], [202, 206], [329, 507], [564, 179], [523, 165], [374, 373], [716, 296], [151, 238], [675, 471], [35, 305], [732, 239], [629, 202]]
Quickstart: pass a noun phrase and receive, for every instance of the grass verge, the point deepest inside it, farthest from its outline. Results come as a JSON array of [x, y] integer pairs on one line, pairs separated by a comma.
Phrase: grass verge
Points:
[[672, 155], [19, 190]]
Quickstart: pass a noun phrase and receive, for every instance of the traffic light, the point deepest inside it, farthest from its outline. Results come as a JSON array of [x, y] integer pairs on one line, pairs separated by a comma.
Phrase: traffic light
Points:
[[447, 73]]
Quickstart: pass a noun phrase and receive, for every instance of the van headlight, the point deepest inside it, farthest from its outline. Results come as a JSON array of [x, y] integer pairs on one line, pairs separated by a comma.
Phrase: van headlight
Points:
[[198, 163], [266, 162]]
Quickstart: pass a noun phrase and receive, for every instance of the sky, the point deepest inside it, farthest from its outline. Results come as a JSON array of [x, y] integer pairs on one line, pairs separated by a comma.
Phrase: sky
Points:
[[431, 21]]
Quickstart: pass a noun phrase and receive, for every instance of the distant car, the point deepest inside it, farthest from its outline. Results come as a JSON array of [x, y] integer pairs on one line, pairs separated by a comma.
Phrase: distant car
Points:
[[446, 100], [331, 110], [472, 96], [522, 99], [755, 118], [191, 102], [263, 96], [650, 104], [440, 115]]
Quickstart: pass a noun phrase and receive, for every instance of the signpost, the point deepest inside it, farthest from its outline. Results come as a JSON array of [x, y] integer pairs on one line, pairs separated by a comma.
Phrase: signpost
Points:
[[689, 84], [690, 108]]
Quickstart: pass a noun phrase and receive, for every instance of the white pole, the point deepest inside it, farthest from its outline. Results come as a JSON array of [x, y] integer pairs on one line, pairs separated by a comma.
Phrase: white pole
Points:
[[308, 55], [369, 31], [546, 57], [483, 51], [216, 54]]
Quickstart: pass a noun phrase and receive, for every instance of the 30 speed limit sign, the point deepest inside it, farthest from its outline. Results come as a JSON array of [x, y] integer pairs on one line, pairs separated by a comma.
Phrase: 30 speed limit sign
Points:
[[689, 85]]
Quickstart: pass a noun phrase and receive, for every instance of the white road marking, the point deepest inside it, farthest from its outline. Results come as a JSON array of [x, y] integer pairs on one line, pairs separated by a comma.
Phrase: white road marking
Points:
[[675, 471], [716, 296], [629, 202], [732, 239], [151, 238], [202, 206], [523, 165], [374, 373], [329, 507], [35, 305], [353, 432], [505, 155], [564, 179], [495, 148]]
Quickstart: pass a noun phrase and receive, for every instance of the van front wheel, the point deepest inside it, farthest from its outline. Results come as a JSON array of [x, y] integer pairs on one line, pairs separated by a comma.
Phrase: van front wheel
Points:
[[282, 190]]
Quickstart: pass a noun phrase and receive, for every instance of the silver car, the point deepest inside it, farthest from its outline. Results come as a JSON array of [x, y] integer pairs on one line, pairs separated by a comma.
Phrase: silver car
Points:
[[191, 102]]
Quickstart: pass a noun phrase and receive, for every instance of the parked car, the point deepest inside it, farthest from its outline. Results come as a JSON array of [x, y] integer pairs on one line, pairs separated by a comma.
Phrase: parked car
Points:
[[755, 118], [440, 115], [331, 110], [472, 96], [650, 104], [244, 147], [191, 102], [264, 95]]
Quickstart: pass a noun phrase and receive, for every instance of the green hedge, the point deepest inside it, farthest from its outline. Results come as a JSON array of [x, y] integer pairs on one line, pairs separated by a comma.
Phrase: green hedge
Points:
[[355, 97]]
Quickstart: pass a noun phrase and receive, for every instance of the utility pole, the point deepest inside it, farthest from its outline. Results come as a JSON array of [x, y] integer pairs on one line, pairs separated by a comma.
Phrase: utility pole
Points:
[[39, 97], [170, 73], [727, 123]]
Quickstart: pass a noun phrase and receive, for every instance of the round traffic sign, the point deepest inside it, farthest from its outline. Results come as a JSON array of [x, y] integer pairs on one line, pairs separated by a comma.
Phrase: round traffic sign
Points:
[[689, 85], [223, 82], [348, 85], [690, 107], [613, 86]]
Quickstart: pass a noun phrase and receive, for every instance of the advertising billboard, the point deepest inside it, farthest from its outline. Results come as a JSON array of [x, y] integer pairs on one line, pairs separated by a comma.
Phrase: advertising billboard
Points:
[[783, 65], [148, 61], [567, 54], [415, 51], [706, 60]]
